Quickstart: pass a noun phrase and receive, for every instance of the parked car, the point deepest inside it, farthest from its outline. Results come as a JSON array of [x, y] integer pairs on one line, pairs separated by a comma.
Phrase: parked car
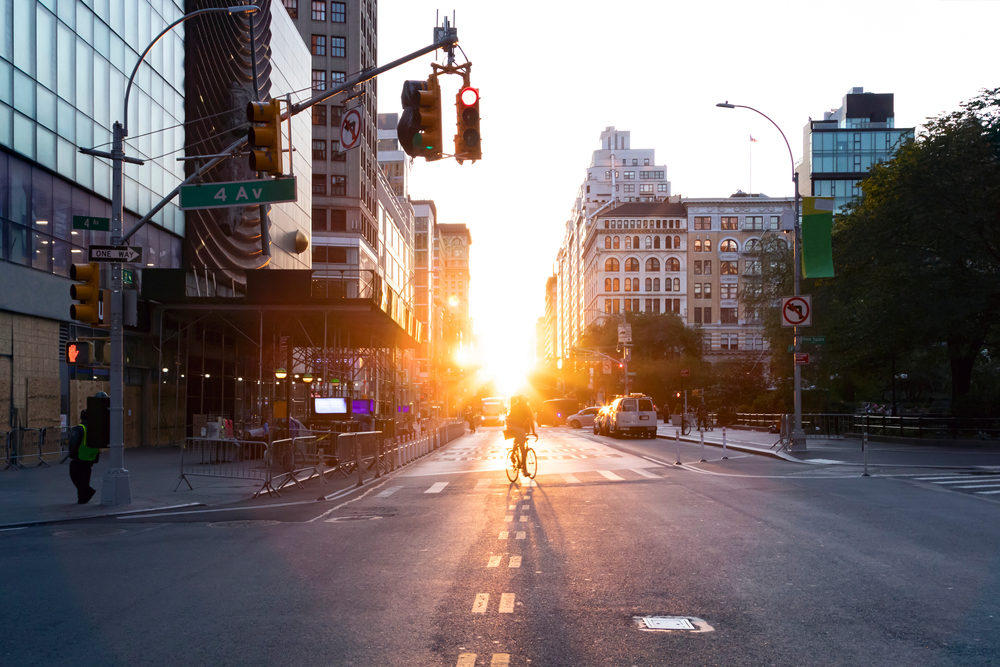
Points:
[[583, 418], [601, 421], [554, 412], [631, 415]]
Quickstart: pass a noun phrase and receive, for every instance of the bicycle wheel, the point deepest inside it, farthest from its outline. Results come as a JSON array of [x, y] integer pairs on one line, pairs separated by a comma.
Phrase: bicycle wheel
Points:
[[512, 464], [685, 427], [530, 462]]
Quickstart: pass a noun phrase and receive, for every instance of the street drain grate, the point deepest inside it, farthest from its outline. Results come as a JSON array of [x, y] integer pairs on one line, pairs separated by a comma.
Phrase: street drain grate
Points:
[[672, 623]]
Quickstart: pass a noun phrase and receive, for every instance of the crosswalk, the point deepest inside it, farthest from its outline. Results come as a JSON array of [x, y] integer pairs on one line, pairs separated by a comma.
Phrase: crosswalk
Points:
[[980, 484]]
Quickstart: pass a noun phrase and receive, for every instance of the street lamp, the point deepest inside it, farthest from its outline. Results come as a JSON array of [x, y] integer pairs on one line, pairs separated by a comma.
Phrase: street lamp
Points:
[[116, 489], [798, 435]]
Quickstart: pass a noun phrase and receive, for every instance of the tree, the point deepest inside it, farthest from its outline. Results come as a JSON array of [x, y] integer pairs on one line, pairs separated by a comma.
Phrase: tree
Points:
[[918, 255]]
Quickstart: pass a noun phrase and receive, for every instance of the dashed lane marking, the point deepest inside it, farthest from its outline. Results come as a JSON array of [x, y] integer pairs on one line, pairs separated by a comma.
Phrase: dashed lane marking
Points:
[[500, 660], [642, 472], [506, 603], [388, 492], [466, 660], [523, 519], [481, 603], [520, 535], [509, 518], [437, 487], [503, 535], [607, 474], [515, 562], [571, 479], [494, 561]]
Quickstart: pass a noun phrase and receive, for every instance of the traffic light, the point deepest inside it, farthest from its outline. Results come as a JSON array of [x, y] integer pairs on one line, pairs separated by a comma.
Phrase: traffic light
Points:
[[419, 127], [87, 291], [265, 136], [79, 352], [468, 145]]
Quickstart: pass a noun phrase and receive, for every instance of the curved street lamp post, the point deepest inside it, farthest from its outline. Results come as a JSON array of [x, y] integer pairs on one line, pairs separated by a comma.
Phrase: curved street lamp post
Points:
[[798, 434], [116, 487]]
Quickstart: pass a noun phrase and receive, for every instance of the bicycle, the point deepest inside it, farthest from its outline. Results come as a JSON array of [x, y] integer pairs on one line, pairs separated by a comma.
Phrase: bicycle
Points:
[[513, 461], [685, 426]]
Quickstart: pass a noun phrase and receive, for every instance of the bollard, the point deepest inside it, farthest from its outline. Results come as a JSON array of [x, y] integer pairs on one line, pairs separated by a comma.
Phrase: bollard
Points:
[[357, 460], [701, 434], [725, 457], [864, 448], [677, 441], [379, 451]]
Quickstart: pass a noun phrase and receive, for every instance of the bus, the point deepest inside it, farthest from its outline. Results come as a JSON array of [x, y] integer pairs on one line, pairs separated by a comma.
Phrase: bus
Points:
[[493, 409]]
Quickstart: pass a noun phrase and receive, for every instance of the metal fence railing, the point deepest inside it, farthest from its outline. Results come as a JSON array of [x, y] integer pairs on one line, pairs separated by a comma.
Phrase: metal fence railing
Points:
[[296, 460], [915, 427], [30, 447]]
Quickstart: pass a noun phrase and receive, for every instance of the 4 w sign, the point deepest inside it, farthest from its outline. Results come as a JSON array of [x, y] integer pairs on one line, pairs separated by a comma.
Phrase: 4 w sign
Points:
[[238, 193]]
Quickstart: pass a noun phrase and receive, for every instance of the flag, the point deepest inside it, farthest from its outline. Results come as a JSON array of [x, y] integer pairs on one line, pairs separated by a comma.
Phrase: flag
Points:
[[752, 140], [817, 224]]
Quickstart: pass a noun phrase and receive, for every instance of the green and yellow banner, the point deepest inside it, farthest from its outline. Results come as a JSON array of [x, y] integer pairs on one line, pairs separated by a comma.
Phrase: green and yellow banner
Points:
[[817, 228]]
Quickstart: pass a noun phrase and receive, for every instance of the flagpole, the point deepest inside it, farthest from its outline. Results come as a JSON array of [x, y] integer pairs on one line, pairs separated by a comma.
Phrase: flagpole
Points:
[[750, 154]]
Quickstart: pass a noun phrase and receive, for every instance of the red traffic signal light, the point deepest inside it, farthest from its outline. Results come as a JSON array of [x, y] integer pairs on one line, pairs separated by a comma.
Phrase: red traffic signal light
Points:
[[265, 136], [79, 352], [468, 142]]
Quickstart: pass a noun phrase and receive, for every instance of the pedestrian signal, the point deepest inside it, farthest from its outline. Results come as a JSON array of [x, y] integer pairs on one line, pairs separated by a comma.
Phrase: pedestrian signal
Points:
[[79, 352], [264, 136], [468, 145]]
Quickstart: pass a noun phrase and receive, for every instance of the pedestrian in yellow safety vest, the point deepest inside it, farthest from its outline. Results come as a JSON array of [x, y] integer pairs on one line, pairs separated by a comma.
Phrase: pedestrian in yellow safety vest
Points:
[[82, 460]]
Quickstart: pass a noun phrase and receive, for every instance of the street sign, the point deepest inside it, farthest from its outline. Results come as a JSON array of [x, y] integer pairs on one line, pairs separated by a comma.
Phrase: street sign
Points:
[[128, 277], [238, 193], [350, 129], [123, 254], [91, 222], [625, 334], [815, 340], [801, 358], [796, 311]]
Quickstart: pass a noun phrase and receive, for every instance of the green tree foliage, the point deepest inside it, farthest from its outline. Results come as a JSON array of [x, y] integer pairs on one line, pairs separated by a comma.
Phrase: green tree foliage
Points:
[[918, 262]]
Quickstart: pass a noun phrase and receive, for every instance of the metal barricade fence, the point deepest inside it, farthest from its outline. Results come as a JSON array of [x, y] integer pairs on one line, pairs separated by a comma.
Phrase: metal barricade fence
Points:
[[24, 447], [222, 458]]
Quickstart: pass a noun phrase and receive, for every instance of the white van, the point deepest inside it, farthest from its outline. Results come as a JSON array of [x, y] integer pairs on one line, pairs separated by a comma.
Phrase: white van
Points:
[[632, 415]]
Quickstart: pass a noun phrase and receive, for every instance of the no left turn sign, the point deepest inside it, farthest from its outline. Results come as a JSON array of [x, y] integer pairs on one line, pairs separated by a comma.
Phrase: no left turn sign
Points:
[[796, 311], [350, 129]]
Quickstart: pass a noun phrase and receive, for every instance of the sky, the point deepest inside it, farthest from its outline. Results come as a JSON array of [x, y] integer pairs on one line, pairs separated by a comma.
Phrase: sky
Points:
[[553, 75]]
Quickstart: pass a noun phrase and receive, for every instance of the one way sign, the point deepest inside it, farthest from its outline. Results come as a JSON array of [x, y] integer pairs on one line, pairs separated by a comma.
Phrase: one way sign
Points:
[[123, 254]]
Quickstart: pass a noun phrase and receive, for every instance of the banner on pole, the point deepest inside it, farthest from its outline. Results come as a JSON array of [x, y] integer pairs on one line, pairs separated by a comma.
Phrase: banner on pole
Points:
[[817, 229]]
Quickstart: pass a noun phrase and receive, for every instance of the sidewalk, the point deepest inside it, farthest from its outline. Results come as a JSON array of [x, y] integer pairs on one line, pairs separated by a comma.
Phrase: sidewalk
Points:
[[35, 495], [848, 451]]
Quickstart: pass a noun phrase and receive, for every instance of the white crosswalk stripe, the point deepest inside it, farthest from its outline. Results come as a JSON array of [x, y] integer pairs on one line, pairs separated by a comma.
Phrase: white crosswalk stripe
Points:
[[970, 482]]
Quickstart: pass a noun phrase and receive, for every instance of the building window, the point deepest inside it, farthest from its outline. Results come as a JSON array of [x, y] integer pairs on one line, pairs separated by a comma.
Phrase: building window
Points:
[[338, 185], [635, 284], [652, 264], [728, 245], [730, 342], [336, 115], [319, 149], [616, 285], [631, 264], [292, 7], [697, 245], [707, 290], [628, 242], [616, 243], [677, 286], [319, 219], [775, 221], [728, 290], [707, 245], [660, 187], [727, 316], [753, 245], [649, 284], [607, 243], [629, 175], [656, 242], [672, 264], [645, 188], [337, 77], [319, 114], [607, 305], [319, 79], [318, 45], [607, 284], [635, 242], [336, 154], [319, 184], [697, 267], [702, 222], [628, 285], [728, 269], [611, 264], [666, 242], [752, 267], [729, 222], [707, 265], [656, 284], [318, 10], [697, 290], [754, 223], [338, 47], [338, 12], [629, 187]]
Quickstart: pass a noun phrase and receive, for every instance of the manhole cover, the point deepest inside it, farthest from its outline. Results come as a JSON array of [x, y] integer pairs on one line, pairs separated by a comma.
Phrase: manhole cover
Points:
[[672, 623]]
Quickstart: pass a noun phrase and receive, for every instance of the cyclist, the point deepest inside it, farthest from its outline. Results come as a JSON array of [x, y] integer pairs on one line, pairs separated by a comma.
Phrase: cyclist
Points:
[[521, 421], [704, 424]]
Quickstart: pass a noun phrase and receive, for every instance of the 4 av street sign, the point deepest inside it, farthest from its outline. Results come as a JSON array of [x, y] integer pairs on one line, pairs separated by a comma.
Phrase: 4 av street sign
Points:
[[123, 254], [91, 222], [238, 193]]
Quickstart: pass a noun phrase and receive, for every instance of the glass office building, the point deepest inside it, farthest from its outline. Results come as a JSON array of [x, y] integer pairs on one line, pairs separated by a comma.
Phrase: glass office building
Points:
[[842, 148]]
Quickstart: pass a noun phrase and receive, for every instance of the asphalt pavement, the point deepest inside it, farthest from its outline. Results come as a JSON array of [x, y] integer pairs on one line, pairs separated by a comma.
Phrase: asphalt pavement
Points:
[[44, 494]]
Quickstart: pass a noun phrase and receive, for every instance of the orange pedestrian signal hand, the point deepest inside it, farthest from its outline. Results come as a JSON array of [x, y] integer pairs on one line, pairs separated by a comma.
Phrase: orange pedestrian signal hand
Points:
[[72, 353]]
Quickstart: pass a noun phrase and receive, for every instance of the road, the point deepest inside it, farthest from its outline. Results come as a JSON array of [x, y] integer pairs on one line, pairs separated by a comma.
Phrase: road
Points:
[[753, 560]]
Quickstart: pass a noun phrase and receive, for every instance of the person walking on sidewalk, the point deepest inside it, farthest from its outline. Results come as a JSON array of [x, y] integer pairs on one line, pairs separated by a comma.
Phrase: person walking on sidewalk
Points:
[[82, 460]]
